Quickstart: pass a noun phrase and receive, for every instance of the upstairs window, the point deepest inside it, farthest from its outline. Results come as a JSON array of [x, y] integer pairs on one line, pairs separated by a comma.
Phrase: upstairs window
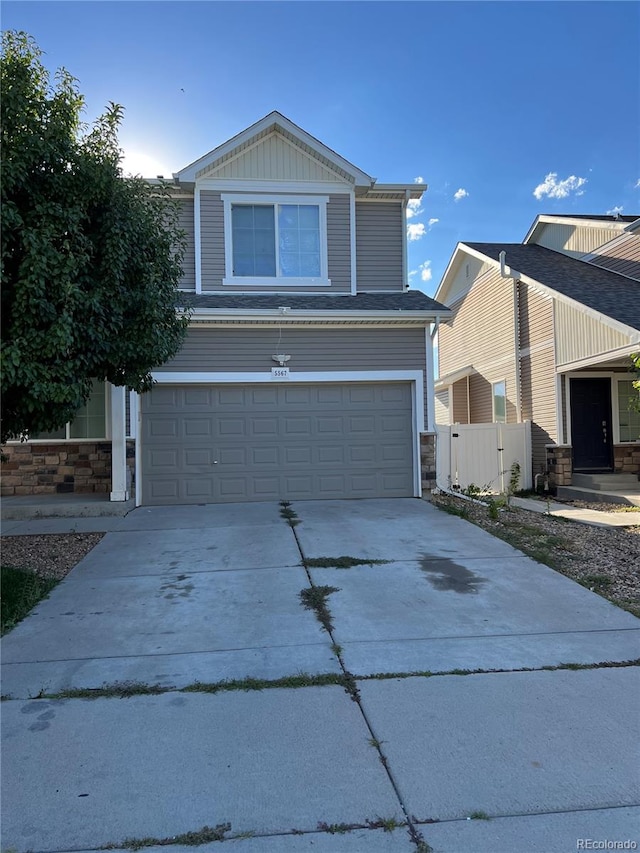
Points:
[[275, 241]]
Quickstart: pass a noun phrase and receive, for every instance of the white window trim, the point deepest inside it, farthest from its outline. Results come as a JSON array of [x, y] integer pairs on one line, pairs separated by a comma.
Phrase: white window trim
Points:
[[493, 400], [67, 429], [615, 406], [228, 199]]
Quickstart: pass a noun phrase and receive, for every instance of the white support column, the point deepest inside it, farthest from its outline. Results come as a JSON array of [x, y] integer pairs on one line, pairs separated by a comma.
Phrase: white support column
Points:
[[119, 491]]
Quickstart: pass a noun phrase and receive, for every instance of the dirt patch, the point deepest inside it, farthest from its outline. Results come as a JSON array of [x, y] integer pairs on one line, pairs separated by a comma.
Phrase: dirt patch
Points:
[[606, 560], [50, 555]]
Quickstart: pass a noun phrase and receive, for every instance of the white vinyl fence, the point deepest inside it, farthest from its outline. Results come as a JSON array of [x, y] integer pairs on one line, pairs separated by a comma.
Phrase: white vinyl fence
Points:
[[483, 454]]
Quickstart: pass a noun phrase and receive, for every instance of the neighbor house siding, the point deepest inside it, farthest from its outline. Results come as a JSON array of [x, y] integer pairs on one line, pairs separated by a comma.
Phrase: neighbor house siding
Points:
[[213, 253], [537, 370], [621, 255], [379, 239], [460, 408], [312, 349], [442, 406], [185, 221], [579, 335], [575, 240], [482, 334]]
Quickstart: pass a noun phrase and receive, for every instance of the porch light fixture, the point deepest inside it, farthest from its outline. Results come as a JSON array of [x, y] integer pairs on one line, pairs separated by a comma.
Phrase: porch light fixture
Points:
[[282, 359]]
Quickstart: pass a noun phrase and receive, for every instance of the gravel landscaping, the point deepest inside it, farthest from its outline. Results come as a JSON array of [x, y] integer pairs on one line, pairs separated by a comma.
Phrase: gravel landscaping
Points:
[[50, 555]]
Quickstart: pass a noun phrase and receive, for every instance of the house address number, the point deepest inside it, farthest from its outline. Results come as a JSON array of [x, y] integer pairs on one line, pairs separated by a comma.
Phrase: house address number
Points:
[[279, 372]]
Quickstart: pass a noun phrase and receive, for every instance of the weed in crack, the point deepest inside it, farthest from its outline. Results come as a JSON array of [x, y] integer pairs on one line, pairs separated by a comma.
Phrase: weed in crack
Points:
[[479, 815], [117, 690], [343, 562], [388, 824], [206, 835], [315, 598], [336, 648], [337, 828]]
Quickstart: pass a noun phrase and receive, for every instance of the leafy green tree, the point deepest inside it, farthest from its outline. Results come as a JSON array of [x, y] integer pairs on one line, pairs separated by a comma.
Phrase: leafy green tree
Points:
[[90, 260]]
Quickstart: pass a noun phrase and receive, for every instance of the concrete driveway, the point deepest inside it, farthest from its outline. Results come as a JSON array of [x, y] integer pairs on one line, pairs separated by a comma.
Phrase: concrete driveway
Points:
[[323, 756]]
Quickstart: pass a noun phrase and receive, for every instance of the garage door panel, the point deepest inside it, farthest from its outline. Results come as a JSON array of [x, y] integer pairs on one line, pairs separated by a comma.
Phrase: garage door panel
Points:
[[276, 442]]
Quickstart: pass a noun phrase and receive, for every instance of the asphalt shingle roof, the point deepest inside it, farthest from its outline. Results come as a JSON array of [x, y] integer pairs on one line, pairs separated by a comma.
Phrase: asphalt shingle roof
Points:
[[597, 288], [412, 300]]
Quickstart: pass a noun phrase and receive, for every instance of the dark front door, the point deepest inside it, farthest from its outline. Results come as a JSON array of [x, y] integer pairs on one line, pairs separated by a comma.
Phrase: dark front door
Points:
[[591, 424]]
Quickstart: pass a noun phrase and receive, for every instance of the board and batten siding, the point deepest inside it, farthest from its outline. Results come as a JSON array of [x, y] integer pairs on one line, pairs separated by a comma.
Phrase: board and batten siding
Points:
[[621, 255], [312, 349], [482, 334], [185, 222], [537, 371], [379, 240], [578, 336], [574, 240], [213, 253]]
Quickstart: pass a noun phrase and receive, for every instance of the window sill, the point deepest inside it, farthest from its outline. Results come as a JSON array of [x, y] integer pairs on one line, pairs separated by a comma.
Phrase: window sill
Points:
[[270, 283]]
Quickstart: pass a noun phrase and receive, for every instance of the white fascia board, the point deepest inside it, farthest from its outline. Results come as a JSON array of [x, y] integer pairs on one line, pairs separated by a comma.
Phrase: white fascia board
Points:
[[460, 249], [274, 119], [414, 190], [222, 314], [455, 376], [632, 226]]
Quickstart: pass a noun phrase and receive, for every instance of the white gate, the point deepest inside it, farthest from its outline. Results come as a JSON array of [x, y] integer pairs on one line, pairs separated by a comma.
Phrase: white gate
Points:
[[483, 454]]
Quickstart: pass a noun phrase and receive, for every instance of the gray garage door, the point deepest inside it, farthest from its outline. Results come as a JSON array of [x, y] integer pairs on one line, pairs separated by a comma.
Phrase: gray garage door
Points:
[[225, 443]]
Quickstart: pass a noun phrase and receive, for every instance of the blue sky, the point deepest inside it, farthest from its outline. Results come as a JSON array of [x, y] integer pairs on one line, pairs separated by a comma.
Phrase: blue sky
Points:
[[487, 102]]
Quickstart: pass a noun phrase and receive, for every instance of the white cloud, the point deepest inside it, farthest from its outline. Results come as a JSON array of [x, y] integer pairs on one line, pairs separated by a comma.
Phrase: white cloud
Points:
[[615, 210], [413, 208], [551, 187], [431, 223], [415, 232], [139, 163], [418, 180], [637, 186], [426, 273], [461, 193]]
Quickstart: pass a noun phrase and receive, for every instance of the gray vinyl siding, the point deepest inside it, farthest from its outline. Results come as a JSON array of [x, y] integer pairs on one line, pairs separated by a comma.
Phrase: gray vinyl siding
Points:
[[213, 255], [230, 350], [339, 243], [212, 240], [188, 281], [379, 240]]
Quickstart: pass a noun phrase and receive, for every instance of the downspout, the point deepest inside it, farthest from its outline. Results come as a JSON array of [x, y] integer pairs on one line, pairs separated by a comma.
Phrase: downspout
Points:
[[507, 272], [405, 266]]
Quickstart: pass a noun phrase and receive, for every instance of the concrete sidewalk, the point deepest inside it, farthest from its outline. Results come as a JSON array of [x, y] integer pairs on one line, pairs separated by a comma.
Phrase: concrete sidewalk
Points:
[[179, 595], [597, 518]]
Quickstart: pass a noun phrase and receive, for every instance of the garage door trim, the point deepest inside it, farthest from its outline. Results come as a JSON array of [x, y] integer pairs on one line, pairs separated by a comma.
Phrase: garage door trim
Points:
[[414, 377]]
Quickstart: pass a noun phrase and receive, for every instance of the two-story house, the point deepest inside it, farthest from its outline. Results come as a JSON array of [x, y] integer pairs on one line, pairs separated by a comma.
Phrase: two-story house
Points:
[[542, 331], [307, 371]]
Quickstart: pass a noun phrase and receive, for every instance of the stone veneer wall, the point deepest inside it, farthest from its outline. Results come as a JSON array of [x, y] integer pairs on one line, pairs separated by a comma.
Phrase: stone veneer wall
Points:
[[428, 461], [49, 469], [626, 458], [559, 464]]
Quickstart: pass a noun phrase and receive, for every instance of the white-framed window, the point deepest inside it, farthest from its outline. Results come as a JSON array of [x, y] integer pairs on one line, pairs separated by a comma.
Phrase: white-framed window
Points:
[[90, 421], [628, 410], [275, 240], [499, 396]]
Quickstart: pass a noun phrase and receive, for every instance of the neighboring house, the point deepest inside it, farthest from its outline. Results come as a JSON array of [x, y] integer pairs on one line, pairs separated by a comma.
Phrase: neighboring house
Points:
[[546, 335], [307, 371]]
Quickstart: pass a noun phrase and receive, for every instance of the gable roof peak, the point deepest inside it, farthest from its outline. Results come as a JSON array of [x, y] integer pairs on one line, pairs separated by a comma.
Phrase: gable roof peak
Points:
[[274, 121]]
